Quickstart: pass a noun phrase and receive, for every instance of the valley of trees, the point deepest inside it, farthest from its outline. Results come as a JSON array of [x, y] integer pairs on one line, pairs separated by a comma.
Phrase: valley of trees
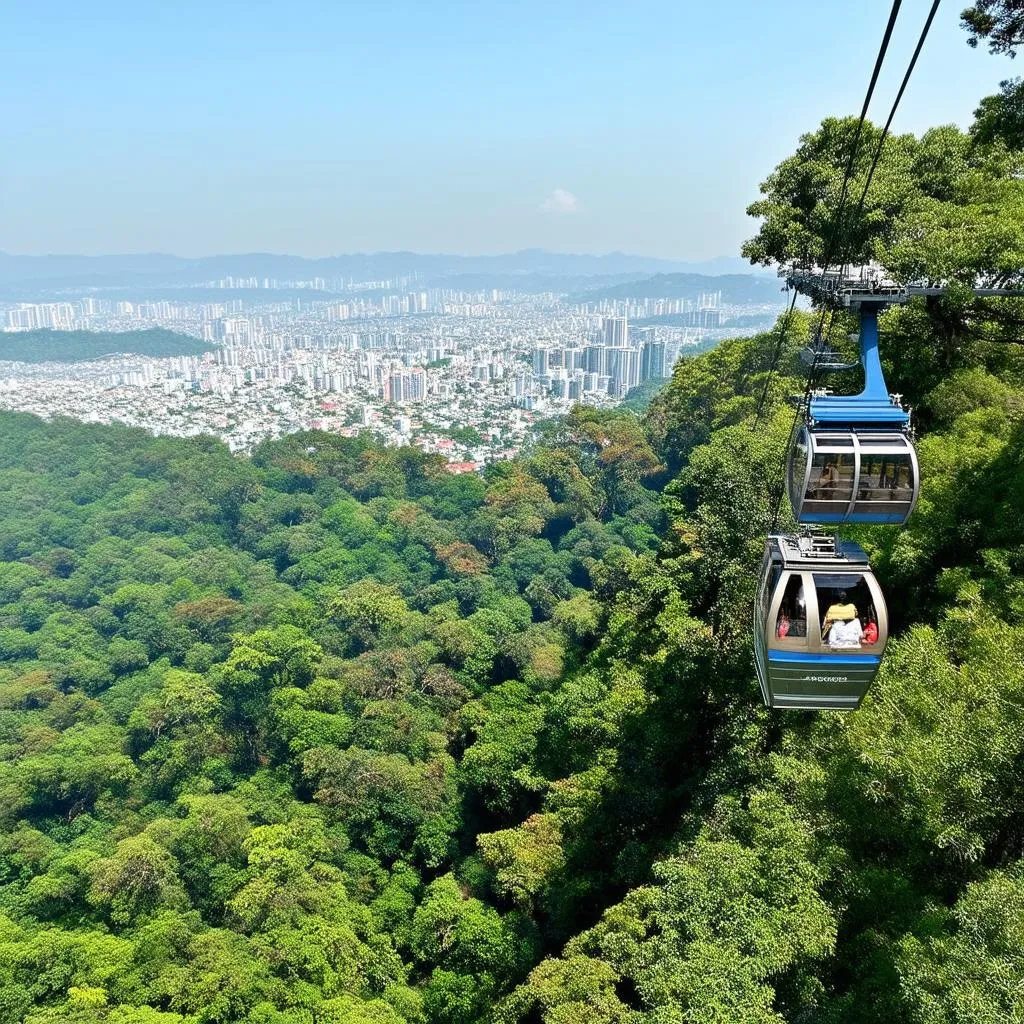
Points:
[[44, 345], [331, 736]]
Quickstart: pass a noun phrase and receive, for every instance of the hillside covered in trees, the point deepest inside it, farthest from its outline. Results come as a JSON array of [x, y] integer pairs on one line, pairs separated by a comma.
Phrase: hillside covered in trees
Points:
[[44, 345], [330, 736]]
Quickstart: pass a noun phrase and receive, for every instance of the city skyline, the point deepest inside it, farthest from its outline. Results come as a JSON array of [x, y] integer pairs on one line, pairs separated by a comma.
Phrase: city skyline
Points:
[[444, 127], [464, 374]]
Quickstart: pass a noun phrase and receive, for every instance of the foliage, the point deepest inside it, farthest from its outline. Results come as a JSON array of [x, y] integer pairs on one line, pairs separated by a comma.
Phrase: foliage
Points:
[[1000, 118], [254, 713], [329, 735], [639, 398], [940, 208], [45, 345], [999, 22]]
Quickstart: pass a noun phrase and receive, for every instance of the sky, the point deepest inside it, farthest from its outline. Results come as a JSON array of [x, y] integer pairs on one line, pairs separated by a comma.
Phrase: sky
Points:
[[215, 126]]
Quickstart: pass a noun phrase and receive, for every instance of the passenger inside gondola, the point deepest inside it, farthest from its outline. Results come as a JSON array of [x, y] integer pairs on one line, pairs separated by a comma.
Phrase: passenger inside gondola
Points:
[[828, 480], [831, 478], [792, 620], [873, 474], [846, 633], [870, 636], [840, 596], [841, 611], [901, 489], [885, 479], [790, 624], [869, 482]]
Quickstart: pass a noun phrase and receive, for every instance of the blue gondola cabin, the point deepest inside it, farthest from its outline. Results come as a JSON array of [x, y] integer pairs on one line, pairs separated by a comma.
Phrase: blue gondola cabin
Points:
[[821, 623]]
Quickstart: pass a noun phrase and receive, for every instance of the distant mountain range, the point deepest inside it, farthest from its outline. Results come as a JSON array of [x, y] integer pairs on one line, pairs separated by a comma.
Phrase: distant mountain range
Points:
[[741, 289], [55, 272]]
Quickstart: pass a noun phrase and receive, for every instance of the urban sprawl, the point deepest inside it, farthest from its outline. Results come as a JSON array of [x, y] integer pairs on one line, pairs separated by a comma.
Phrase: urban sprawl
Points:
[[463, 374]]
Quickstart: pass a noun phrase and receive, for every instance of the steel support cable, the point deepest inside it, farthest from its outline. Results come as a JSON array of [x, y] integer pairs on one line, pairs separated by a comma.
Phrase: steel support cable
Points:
[[876, 157], [837, 221], [837, 224], [776, 506], [776, 354], [895, 105]]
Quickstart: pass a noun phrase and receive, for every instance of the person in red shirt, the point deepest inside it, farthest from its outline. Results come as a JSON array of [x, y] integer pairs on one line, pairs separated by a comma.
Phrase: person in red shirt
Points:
[[870, 631], [782, 630]]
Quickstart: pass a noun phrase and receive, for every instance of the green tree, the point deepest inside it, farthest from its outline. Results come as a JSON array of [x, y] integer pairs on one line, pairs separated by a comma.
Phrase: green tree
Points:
[[1000, 23], [140, 876]]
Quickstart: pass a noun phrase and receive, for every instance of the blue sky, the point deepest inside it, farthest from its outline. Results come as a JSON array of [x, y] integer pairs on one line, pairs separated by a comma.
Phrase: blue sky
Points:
[[334, 126]]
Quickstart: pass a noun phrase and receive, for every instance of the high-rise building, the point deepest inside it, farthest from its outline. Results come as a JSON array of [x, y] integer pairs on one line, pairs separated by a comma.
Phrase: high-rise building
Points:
[[540, 360], [615, 331], [572, 359], [708, 317], [631, 377], [24, 319], [652, 360], [623, 370], [595, 359], [406, 386]]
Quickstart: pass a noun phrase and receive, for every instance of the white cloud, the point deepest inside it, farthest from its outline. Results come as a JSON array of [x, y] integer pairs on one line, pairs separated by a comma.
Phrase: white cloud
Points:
[[560, 201]]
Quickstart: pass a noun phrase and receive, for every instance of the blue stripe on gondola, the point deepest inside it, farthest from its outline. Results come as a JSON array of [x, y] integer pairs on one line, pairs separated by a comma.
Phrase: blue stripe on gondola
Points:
[[877, 517], [868, 405], [825, 659], [856, 517], [848, 418]]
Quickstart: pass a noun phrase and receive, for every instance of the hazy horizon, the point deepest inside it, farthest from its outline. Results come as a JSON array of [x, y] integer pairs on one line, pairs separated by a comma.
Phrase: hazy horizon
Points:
[[371, 252]]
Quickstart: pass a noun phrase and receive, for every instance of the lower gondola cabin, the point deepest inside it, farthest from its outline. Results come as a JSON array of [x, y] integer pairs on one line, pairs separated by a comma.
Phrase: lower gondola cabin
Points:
[[820, 624]]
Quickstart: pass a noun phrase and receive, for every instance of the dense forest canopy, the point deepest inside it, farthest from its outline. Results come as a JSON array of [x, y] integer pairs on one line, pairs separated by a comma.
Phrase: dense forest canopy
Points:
[[44, 345], [331, 736], [943, 208]]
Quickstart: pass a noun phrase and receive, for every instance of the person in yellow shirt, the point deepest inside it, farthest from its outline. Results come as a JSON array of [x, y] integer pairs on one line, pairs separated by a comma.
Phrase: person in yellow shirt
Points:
[[841, 611]]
